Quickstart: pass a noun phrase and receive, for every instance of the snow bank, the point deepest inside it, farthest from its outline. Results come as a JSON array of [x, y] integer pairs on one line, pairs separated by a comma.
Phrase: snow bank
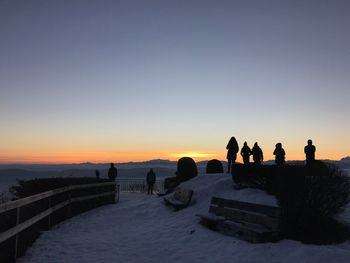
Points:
[[141, 228]]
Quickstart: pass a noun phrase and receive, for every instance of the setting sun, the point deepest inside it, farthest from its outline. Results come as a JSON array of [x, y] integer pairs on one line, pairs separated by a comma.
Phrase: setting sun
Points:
[[197, 155]]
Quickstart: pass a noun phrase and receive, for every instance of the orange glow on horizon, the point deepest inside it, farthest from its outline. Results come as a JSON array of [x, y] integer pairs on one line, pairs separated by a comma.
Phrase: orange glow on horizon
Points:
[[195, 155], [120, 157]]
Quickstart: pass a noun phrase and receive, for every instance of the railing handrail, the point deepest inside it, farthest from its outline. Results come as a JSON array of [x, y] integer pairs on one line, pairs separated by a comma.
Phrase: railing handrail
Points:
[[33, 198], [17, 204], [139, 185]]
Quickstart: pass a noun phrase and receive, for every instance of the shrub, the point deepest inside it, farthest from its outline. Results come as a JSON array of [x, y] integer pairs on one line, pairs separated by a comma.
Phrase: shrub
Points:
[[186, 169], [214, 167], [170, 183], [309, 197], [257, 176]]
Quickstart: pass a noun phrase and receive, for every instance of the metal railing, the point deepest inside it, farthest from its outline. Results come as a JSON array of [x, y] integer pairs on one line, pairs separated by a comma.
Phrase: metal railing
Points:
[[50, 207], [139, 185]]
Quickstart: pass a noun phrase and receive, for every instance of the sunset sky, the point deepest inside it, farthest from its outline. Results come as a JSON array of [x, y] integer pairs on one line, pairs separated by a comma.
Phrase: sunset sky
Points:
[[103, 81]]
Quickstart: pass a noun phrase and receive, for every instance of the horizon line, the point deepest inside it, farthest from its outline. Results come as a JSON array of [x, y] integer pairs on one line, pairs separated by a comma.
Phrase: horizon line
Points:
[[144, 161]]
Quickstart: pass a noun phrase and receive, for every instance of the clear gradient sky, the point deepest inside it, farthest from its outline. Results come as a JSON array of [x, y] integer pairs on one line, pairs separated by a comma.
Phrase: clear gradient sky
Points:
[[132, 80]]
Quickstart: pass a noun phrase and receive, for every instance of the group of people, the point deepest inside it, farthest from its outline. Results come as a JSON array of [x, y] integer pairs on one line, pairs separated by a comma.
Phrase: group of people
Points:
[[257, 153], [233, 149]]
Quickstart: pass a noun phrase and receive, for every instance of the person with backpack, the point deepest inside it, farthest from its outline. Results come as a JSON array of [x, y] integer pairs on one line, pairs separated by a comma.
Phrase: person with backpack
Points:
[[151, 179], [279, 154], [257, 154], [309, 151], [245, 152]]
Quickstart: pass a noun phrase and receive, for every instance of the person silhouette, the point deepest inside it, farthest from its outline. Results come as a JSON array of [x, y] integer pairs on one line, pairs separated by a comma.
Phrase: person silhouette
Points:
[[112, 172], [151, 179], [279, 154], [257, 153], [309, 151], [232, 148], [245, 152]]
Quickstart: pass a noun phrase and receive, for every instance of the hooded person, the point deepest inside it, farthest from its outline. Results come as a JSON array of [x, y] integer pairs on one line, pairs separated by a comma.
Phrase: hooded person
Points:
[[232, 148]]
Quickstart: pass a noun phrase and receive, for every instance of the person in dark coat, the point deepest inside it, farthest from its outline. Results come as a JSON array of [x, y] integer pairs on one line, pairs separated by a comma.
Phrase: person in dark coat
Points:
[[245, 152], [309, 151], [151, 179], [279, 154], [232, 148], [112, 172], [257, 153]]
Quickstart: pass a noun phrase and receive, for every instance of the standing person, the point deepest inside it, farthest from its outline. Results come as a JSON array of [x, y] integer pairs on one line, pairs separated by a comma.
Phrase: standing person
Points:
[[257, 153], [309, 151], [279, 154], [245, 152], [112, 172], [232, 148], [151, 179], [97, 173]]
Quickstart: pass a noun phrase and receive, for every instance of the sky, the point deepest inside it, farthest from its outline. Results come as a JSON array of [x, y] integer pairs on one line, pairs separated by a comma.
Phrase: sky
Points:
[[129, 80]]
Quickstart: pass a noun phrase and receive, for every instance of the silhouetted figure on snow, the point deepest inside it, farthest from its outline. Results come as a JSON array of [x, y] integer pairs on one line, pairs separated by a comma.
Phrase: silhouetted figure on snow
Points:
[[151, 179], [232, 148], [309, 151], [279, 154], [245, 152], [97, 173], [112, 172], [257, 153]]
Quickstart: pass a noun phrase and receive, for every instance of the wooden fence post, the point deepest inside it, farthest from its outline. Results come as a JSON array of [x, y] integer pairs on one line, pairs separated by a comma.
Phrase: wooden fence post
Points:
[[16, 237], [70, 202], [13, 232], [49, 217]]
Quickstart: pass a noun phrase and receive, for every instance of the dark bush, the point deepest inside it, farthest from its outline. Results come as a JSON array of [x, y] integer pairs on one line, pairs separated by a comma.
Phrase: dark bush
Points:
[[186, 169], [170, 183], [256, 176], [214, 167], [309, 197]]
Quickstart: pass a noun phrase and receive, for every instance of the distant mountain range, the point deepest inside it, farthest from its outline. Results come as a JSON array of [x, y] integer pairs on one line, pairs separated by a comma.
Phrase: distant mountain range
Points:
[[157, 163], [345, 159], [163, 168]]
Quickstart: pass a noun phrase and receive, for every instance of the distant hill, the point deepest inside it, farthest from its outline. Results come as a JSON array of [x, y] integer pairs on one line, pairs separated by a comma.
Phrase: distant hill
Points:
[[86, 165], [160, 163], [345, 159], [163, 168]]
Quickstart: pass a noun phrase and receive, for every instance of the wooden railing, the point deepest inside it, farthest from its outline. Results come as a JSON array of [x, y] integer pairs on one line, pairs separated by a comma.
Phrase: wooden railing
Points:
[[46, 204]]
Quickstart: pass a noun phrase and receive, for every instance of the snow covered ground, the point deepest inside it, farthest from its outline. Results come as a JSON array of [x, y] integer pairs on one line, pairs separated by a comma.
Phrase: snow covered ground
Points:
[[141, 228]]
